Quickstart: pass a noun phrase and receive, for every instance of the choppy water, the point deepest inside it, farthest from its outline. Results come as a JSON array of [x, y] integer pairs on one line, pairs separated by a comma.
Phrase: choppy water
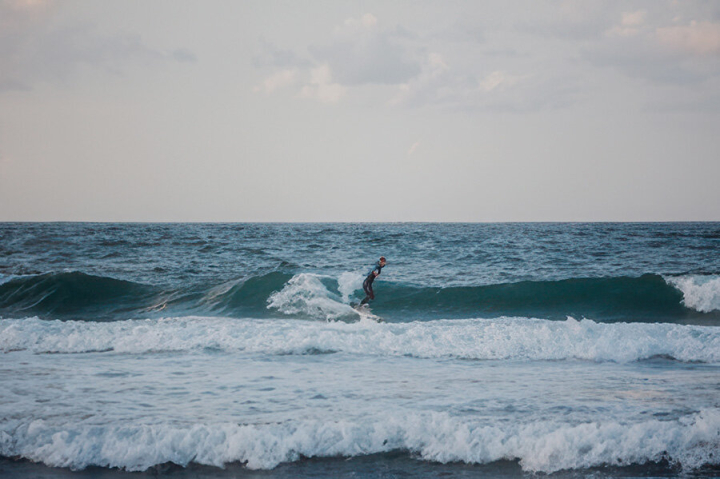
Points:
[[558, 348]]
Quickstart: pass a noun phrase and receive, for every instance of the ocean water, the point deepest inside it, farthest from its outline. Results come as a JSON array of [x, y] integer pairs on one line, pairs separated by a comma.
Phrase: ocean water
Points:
[[231, 350]]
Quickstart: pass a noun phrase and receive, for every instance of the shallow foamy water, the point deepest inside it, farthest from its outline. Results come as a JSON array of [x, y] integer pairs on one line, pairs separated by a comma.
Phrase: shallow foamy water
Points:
[[262, 404]]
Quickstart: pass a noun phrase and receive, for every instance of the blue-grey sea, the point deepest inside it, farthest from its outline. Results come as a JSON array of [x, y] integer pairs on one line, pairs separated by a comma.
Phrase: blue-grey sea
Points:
[[563, 350]]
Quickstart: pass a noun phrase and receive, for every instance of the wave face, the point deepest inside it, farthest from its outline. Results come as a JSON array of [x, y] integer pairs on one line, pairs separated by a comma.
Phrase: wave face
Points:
[[539, 446], [647, 298], [479, 339], [76, 295], [61, 294]]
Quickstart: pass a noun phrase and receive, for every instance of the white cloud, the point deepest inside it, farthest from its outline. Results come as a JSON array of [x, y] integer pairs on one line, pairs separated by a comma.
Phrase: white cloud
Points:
[[630, 24], [32, 50], [367, 21], [272, 56], [633, 19], [413, 70], [697, 38], [664, 53], [498, 79], [439, 84], [360, 52], [321, 87], [426, 87], [281, 79]]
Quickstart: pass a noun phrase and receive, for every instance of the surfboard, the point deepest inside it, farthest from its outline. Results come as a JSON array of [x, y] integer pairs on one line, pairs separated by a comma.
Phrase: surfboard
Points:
[[364, 311]]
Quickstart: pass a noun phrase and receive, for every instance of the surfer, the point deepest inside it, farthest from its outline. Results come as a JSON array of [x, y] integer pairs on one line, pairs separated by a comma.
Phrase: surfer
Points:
[[367, 284]]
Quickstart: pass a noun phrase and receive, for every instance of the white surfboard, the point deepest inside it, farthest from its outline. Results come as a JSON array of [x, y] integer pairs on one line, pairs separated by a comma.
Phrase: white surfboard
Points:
[[364, 311]]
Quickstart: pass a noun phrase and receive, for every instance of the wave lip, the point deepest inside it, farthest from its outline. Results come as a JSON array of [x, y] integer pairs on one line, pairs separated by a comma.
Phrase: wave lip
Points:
[[700, 292], [689, 442], [478, 339], [306, 295]]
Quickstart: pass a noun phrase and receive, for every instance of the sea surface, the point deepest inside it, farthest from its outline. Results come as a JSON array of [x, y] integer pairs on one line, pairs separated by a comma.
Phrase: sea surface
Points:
[[231, 350]]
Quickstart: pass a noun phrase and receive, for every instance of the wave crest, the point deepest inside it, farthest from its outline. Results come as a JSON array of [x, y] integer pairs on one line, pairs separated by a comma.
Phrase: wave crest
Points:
[[480, 339], [278, 294], [690, 442], [700, 292]]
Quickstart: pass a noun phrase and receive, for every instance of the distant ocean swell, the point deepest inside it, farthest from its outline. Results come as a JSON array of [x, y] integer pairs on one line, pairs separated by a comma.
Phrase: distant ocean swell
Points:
[[478, 339], [76, 295], [690, 442]]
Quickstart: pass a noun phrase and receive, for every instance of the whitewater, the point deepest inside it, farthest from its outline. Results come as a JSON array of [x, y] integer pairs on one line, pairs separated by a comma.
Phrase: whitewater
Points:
[[481, 339], [571, 350]]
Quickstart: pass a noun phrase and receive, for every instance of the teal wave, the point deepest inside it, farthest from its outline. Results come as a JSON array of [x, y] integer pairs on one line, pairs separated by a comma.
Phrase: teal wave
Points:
[[77, 295]]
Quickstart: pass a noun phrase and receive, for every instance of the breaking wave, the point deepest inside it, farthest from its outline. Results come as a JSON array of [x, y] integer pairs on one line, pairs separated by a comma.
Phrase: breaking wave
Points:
[[650, 297], [689, 442], [700, 292], [479, 339]]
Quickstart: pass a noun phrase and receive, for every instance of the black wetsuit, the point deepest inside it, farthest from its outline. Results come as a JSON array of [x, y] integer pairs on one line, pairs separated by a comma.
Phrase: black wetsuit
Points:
[[367, 284]]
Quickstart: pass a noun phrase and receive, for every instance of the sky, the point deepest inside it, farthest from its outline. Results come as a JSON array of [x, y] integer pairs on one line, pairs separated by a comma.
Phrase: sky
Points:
[[143, 110]]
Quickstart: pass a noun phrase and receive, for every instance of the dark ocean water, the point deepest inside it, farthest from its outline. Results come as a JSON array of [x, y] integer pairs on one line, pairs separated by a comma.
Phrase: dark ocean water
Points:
[[600, 271], [504, 349]]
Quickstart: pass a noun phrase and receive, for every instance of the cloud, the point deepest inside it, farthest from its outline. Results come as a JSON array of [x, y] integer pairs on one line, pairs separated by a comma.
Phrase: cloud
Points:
[[183, 55], [697, 38], [361, 52], [18, 14], [316, 84], [630, 24], [664, 54], [497, 79], [461, 31], [321, 87], [272, 56], [281, 79], [367, 21], [495, 90], [570, 19], [33, 51]]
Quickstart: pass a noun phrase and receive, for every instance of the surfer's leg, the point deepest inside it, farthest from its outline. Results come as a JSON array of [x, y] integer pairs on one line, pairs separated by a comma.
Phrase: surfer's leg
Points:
[[367, 287]]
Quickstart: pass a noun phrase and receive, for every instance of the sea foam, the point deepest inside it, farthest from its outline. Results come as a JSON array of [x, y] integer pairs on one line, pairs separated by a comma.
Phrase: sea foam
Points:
[[689, 442], [487, 339], [305, 294], [701, 293]]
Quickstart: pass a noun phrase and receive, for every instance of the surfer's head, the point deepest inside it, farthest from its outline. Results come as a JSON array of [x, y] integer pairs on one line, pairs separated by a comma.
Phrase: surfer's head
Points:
[[382, 259]]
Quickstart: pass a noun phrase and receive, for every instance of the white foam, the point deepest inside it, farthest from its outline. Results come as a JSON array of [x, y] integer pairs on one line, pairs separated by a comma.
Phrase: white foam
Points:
[[490, 339], [700, 292], [348, 283], [689, 442], [305, 294]]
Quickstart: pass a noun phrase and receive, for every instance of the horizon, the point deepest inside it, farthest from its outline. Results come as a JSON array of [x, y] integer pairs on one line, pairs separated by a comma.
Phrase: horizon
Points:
[[150, 222]]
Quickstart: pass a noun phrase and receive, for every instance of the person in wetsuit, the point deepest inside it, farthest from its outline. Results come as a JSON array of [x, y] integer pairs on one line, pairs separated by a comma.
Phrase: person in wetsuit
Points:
[[367, 284]]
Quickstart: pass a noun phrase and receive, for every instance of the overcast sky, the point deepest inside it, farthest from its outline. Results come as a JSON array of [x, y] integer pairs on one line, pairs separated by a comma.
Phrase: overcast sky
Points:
[[359, 111]]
